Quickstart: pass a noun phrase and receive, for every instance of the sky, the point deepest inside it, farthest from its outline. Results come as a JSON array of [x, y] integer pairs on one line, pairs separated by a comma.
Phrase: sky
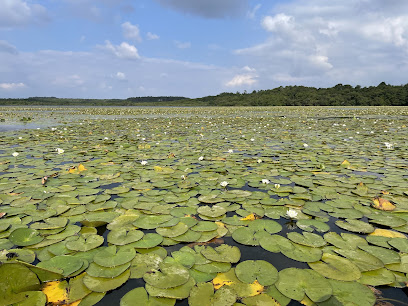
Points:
[[196, 48]]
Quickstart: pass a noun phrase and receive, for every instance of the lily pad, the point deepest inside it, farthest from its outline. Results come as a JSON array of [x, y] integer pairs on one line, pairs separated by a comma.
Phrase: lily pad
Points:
[[101, 284], [124, 236], [170, 275], [355, 226], [308, 239], [25, 237], [336, 267], [222, 253], [203, 295], [296, 283], [265, 273], [180, 292], [140, 295], [113, 256]]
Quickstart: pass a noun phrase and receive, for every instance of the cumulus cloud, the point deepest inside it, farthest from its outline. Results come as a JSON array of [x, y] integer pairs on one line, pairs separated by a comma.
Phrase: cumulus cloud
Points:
[[11, 86], [21, 13], [152, 36], [124, 50], [208, 8], [241, 79], [120, 76], [7, 48], [131, 31], [182, 45]]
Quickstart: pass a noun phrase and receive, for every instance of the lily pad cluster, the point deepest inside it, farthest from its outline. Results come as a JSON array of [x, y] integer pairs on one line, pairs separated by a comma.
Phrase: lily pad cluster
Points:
[[176, 198]]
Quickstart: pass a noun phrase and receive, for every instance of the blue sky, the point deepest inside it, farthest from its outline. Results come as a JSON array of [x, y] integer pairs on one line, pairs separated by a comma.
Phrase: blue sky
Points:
[[194, 48]]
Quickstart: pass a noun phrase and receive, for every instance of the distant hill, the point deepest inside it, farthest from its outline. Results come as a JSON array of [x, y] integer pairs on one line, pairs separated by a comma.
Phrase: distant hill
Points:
[[339, 95]]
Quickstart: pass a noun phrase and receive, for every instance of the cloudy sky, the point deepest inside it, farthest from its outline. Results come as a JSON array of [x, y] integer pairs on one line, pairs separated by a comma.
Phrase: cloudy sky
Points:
[[194, 48]]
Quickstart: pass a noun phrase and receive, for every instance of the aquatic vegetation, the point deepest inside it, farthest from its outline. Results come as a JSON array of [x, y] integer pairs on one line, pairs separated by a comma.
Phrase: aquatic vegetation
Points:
[[166, 204]]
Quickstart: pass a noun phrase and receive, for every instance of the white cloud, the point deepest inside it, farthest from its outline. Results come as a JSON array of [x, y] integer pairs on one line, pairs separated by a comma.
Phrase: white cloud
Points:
[[182, 45], [7, 47], [131, 31], [68, 81], [21, 13], [242, 79], [11, 86], [124, 50], [151, 36], [120, 76], [251, 14], [208, 8]]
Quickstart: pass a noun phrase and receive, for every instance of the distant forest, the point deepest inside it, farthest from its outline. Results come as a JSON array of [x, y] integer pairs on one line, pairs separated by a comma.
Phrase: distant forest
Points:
[[339, 95]]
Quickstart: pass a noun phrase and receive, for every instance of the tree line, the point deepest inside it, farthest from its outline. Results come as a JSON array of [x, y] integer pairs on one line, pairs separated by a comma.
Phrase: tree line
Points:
[[339, 95]]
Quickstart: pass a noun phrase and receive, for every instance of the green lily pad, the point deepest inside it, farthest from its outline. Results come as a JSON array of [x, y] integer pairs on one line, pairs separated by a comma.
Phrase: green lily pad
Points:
[[248, 236], [356, 226], [143, 263], [17, 254], [85, 244], [204, 226], [308, 239], [140, 295], [385, 255], [148, 241], [180, 292], [173, 231], [401, 244], [345, 240], [77, 289], [64, 264], [124, 236], [311, 225], [336, 267], [302, 253], [296, 283], [96, 270], [203, 295], [363, 260], [113, 256], [265, 273], [377, 277], [275, 243], [15, 278], [101, 284], [222, 253], [25, 237], [270, 226], [211, 211], [151, 221], [349, 293], [170, 276]]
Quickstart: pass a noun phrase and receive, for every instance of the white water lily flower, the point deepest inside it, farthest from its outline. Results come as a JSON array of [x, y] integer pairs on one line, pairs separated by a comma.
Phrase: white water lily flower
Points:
[[389, 145], [106, 138], [291, 213], [15, 154], [259, 161], [252, 139], [266, 181], [224, 184], [201, 158], [143, 162], [277, 186], [230, 151], [59, 150], [305, 145]]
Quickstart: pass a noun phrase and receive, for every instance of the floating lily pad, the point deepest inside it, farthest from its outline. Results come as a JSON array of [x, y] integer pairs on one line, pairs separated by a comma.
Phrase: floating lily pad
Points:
[[363, 260], [25, 237], [248, 236], [140, 295], [345, 240], [113, 256], [377, 277], [180, 292], [85, 244], [308, 239], [336, 267], [96, 270], [222, 253], [63, 264], [349, 293], [170, 275], [296, 283], [311, 225], [265, 273], [302, 253], [203, 294], [123, 236], [101, 284], [355, 226]]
